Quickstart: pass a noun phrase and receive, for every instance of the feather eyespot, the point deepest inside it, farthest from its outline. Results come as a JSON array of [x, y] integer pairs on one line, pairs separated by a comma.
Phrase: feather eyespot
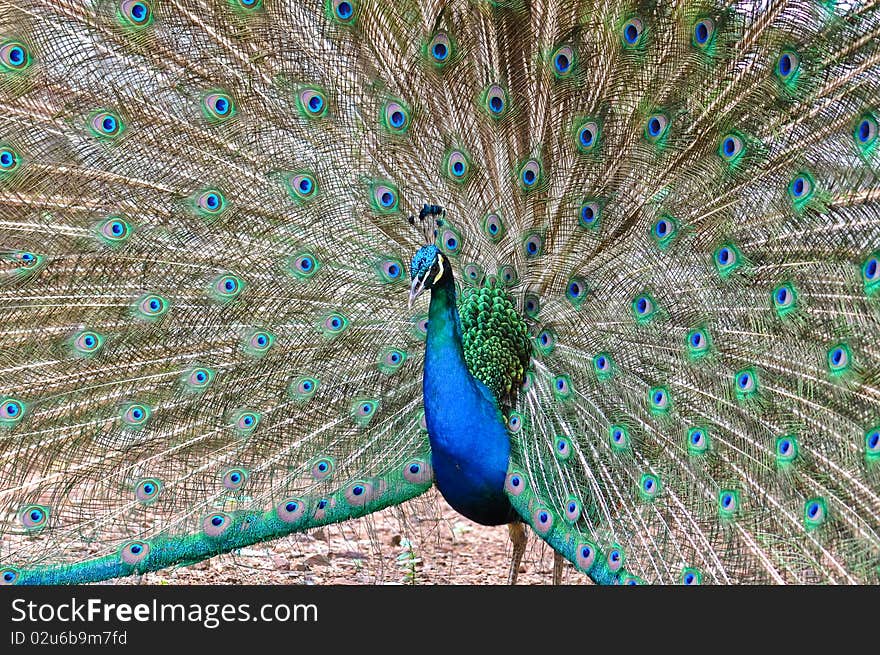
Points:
[[147, 491], [632, 33], [105, 124], [258, 342], [87, 342], [334, 325], [872, 443], [450, 241], [322, 468], [514, 422], [691, 577], [136, 13], [532, 305], [495, 101], [587, 136], [542, 521], [218, 106], [698, 342], [530, 175], [619, 437], [865, 131], [312, 102], [303, 388], [562, 387], [656, 127], [697, 440], [11, 411], [215, 525], [9, 576], [589, 214], [14, 56], [839, 359], [515, 483], [643, 308], [731, 147], [227, 287], [787, 65], [396, 117], [234, 479], [457, 166], [532, 245], [746, 383], [493, 226], [786, 449], [210, 203], [815, 512], [9, 160], [508, 275], [585, 556], [418, 472], [197, 378], [572, 510], [114, 230], [728, 502], [34, 517], [562, 449], [245, 421], [134, 552], [704, 30], [659, 400], [343, 11], [649, 486], [563, 61], [615, 559], [440, 49], [784, 299], [384, 198], [135, 415], [291, 510], [304, 265]]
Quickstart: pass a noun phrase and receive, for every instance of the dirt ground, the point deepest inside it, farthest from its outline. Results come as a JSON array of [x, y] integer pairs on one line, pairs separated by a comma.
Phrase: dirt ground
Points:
[[422, 542]]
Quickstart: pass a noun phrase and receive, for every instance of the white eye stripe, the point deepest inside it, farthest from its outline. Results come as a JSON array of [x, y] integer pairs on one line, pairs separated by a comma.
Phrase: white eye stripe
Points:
[[440, 272]]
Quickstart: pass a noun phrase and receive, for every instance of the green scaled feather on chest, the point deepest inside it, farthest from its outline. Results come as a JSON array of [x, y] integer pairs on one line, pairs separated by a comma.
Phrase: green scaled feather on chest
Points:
[[495, 339]]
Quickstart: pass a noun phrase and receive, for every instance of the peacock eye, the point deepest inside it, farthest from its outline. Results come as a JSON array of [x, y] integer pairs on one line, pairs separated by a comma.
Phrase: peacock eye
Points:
[[136, 12], [532, 245], [496, 101], [493, 226], [106, 124], [703, 32], [210, 202], [787, 65], [457, 165], [396, 117], [563, 61], [385, 198], [656, 127], [632, 32], [865, 132], [440, 48], [731, 146], [312, 102], [218, 106], [344, 10], [587, 135], [530, 174], [14, 56]]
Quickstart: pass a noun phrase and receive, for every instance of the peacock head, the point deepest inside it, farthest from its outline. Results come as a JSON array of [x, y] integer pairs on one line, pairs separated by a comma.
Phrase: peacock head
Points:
[[428, 267]]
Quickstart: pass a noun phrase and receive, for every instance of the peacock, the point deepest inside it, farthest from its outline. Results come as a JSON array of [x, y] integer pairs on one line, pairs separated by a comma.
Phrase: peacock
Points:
[[605, 272]]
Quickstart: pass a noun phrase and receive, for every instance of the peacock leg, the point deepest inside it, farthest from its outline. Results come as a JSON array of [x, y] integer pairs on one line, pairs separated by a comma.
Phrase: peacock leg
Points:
[[519, 538], [558, 561]]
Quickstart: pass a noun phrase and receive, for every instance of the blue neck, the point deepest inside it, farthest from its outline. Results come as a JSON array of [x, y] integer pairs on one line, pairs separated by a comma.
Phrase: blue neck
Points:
[[469, 442]]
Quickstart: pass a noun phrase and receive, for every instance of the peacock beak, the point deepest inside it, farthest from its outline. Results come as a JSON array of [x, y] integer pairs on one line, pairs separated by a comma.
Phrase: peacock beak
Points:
[[418, 285]]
